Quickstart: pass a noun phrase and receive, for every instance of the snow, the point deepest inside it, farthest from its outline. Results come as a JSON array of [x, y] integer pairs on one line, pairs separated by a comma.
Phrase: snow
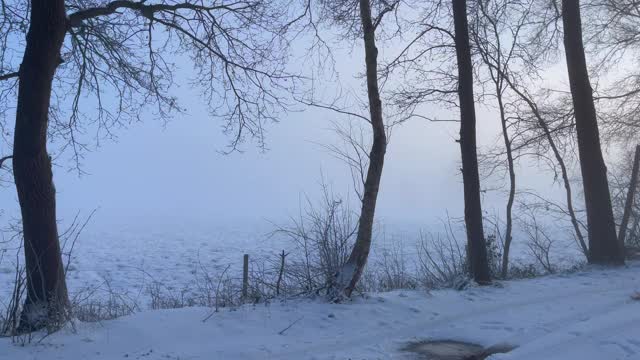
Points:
[[130, 257], [585, 315]]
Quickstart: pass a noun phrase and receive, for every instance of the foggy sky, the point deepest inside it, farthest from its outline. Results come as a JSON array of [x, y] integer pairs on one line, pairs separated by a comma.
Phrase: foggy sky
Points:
[[156, 173]]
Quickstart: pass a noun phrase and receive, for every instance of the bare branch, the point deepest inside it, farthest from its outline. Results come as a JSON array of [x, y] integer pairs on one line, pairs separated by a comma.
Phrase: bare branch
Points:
[[3, 159], [76, 19], [10, 75]]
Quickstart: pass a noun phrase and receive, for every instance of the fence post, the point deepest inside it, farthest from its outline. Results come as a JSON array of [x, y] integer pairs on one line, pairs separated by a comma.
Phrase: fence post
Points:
[[281, 273], [245, 276]]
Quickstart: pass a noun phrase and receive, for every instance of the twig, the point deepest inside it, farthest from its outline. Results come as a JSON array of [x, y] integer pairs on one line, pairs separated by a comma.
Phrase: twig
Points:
[[217, 291], [290, 326]]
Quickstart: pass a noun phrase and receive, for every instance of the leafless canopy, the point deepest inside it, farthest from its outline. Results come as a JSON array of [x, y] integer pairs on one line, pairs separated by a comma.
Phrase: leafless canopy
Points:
[[120, 61]]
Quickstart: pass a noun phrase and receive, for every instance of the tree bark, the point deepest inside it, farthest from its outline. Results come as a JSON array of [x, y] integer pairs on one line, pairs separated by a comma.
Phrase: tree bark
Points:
[[631, 193], [347, 278], [603, 243], [47, 300], [476, 246]]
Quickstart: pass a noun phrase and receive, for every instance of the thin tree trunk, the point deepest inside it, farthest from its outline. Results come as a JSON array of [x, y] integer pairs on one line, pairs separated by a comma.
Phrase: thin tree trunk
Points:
[[496, 63], [512, 185], [347, 278], [47, 298], [603, 243], [556, 152], [565, 177], [634, 229], [476, 245], [631, 193]]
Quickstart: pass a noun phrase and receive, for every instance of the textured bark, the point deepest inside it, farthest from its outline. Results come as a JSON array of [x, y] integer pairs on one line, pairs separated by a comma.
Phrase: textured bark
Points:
[[47, 298], [603, 243], [476, 246], [348, 277], [631, 193]]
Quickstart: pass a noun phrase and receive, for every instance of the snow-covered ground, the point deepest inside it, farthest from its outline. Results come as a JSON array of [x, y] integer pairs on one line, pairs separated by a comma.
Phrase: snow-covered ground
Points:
[[585, 315]]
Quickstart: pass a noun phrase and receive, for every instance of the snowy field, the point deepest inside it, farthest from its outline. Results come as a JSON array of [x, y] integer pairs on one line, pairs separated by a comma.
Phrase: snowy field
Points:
[[582, 316], [131, 257], [127, 260]]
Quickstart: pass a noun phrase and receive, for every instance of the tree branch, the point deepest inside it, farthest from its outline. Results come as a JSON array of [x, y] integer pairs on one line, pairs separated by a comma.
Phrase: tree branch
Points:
[[76, 18], [3, 159], [9, 75]]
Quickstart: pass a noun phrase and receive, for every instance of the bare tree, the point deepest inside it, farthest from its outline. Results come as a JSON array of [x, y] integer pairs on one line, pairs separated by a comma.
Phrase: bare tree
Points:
[[496, 31], [472, 210], [528, 35], [612, 40], [357, 19], [47, 299], [437, 63], [347, 278], [603, 245], [238, 49], [548, 134]]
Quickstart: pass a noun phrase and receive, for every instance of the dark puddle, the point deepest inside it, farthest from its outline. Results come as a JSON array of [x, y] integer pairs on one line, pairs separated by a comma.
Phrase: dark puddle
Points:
[[453, 350]]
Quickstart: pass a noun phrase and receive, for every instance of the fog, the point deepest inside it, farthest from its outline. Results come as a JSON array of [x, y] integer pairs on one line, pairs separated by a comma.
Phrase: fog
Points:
[[159, 174]]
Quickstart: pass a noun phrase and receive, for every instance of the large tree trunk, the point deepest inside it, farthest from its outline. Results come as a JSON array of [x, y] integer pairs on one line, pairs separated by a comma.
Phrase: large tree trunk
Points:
[[603, 244], [47, 298], [347, 278], [631, 194], [476, 247]]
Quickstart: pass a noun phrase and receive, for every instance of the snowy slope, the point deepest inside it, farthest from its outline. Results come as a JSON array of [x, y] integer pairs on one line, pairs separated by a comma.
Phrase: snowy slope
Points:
[[587, 315]]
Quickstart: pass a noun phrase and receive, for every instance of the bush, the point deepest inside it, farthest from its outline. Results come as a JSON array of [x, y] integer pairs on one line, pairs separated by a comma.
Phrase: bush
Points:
[[442, 262], [322, 236]]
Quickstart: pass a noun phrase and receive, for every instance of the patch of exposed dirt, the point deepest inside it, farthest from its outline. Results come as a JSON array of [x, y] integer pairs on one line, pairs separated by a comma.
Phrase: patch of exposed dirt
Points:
[[453, 350]]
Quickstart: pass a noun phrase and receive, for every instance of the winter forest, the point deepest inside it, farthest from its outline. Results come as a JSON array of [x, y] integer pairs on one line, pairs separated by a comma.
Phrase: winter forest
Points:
[[330, 179]]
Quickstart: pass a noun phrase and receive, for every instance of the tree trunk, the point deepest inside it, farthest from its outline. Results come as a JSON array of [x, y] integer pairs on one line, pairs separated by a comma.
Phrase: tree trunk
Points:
[[603, 242], [631, 193], [512, 184], [633, 235], [47, 299], [476, 247], [347, 278], [495, 62]]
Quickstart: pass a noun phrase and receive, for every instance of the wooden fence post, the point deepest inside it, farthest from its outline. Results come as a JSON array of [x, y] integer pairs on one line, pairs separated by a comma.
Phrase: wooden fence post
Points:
[[281, 273], [245, 277]]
